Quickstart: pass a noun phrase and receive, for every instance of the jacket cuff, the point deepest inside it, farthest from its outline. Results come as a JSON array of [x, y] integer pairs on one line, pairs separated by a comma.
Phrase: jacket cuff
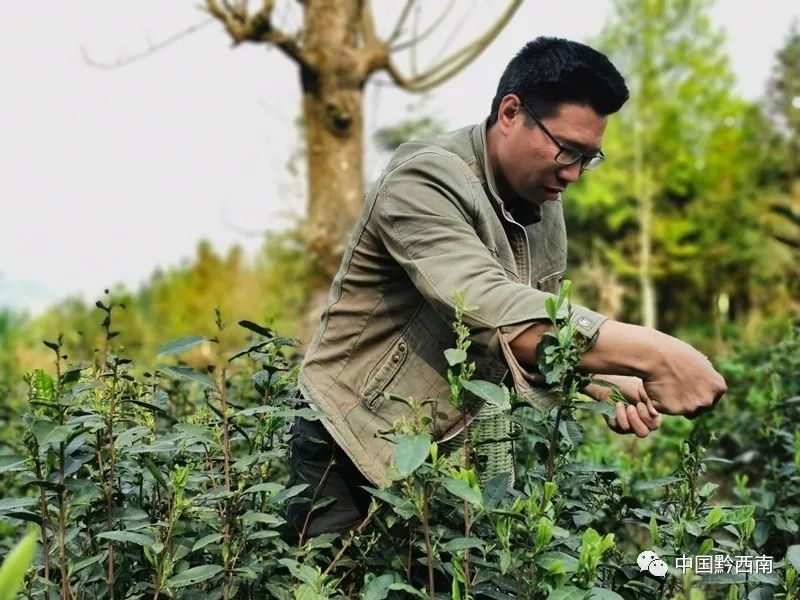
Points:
[[586, 321], [530, 385]]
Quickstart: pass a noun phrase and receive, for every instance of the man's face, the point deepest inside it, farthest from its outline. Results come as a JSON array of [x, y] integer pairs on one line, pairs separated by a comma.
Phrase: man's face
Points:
[[525, 156]]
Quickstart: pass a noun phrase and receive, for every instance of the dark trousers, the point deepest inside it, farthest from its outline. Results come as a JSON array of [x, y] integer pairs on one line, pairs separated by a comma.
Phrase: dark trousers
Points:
[[333, 500]]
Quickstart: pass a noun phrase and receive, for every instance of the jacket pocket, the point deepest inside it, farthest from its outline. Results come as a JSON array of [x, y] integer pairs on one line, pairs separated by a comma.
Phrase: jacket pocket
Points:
[[372, 394], [415, 367], [550, 281]]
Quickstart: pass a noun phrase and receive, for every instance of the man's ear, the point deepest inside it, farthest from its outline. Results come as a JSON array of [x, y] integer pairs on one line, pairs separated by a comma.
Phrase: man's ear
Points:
[[507, 112]]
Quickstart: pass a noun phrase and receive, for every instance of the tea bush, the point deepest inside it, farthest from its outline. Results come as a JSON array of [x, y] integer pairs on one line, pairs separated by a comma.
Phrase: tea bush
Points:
[[171, 482]]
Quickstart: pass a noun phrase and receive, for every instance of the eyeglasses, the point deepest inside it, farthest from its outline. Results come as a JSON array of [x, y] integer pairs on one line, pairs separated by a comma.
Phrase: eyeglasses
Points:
[[566, 155]]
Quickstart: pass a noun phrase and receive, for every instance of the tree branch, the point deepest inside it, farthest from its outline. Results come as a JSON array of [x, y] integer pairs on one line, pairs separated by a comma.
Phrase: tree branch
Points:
[[453, 64], [398, 27], [151, 49], [244, 27], [787, 241], [403, 45], [786, 212], [368, 24]]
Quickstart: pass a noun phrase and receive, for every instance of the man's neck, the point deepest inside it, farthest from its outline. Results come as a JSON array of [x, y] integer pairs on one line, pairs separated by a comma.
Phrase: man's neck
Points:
[[522, 212]]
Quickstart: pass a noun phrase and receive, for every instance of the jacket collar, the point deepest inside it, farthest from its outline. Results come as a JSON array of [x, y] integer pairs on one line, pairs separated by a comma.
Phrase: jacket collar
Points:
[[525, 214]]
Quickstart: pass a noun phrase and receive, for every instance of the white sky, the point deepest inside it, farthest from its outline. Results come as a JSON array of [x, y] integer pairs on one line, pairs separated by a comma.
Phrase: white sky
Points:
[[107, 174]]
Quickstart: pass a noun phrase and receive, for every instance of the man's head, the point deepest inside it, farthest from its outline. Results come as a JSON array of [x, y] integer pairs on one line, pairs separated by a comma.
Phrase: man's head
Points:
[[548, 117]]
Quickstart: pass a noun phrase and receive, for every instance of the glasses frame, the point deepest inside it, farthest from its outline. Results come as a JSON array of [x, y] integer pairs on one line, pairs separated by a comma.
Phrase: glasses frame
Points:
[[582, 157]]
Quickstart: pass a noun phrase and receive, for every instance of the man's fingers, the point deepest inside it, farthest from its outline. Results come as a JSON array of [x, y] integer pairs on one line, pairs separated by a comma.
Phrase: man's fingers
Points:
[[636, 423], [653, 411], [622, 418], [634, 418]]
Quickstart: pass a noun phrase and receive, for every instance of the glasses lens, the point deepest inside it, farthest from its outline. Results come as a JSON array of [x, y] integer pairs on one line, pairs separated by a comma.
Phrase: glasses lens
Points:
[[593, 162], [568, 156]]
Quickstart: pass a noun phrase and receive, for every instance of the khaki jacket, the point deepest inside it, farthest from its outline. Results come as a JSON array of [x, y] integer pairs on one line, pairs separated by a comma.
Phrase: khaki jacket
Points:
[[432, 223]]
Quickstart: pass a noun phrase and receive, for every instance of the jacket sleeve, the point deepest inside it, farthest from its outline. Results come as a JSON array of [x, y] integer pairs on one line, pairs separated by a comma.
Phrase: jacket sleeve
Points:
[[425, 213]]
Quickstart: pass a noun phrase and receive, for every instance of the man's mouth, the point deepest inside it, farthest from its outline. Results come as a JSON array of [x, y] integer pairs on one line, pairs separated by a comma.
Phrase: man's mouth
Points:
[[554, 190]]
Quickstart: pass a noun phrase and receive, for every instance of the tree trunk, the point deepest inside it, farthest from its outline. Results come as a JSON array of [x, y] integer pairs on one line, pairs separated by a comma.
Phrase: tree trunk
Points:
[[336, 51], [646, 284], [644, 196], [333, 113]]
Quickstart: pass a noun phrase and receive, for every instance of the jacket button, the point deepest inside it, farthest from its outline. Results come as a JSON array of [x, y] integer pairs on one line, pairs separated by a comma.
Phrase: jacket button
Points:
[[395, 358], [401, 346]]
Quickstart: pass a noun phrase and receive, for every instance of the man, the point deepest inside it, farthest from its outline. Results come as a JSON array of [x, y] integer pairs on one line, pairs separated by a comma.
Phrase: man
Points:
[[477, 210]]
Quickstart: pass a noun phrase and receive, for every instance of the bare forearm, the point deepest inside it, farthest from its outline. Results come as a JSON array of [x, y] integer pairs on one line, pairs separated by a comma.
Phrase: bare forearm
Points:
[[621, 348], [677, 377]]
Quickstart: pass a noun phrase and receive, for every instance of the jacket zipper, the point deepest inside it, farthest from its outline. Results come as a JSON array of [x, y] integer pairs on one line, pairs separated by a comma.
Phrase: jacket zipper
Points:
[[526, 257]]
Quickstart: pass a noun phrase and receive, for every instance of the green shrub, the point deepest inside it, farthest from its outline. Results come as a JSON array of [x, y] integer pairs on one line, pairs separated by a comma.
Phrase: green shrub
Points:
[[172, 483]]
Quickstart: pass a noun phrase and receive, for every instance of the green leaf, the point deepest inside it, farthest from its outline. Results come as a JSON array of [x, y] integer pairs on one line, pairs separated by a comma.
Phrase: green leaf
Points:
[[571, 432], [288, 493], [739, 515], [460, 488], [410, 453], [597, 407], [694, 528], [129, 436], [495, 489], [304, 573], [323, 540], [190, 374], [181, 344], [598, 593], [563, 291], [569, 592], [204, 541], [378, 588], [708, 490], [549, 560], [714, 517], [11, 462], [194, 575], [455, 356], [655, 483], [24, 516], [15, 565], [402, 506], [88, 562], [7, 504], [582, 467], [57, 434], [552, 309], [491, 392], [42, 386], [265, 518], [404, 587], [146, 405], [269, 486], [265, 331], [462, 543], [128, 536]]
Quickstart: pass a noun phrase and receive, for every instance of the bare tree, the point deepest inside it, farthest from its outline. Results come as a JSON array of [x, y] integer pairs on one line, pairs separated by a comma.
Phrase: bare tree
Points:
[[336, 50]]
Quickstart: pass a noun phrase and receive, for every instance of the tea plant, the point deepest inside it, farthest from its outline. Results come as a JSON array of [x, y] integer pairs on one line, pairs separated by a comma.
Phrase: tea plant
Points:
[[170, 482]]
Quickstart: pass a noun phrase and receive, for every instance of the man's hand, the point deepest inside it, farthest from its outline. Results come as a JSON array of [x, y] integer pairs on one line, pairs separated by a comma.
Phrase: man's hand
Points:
[[678, 379], [639, 416], [683, 381]]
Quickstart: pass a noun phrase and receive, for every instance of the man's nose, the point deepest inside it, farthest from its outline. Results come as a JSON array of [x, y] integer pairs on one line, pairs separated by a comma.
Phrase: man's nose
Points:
[[571, 172]]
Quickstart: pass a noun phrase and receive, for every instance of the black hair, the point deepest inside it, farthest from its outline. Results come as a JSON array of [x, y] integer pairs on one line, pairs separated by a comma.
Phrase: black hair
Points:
[[549, 71]]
